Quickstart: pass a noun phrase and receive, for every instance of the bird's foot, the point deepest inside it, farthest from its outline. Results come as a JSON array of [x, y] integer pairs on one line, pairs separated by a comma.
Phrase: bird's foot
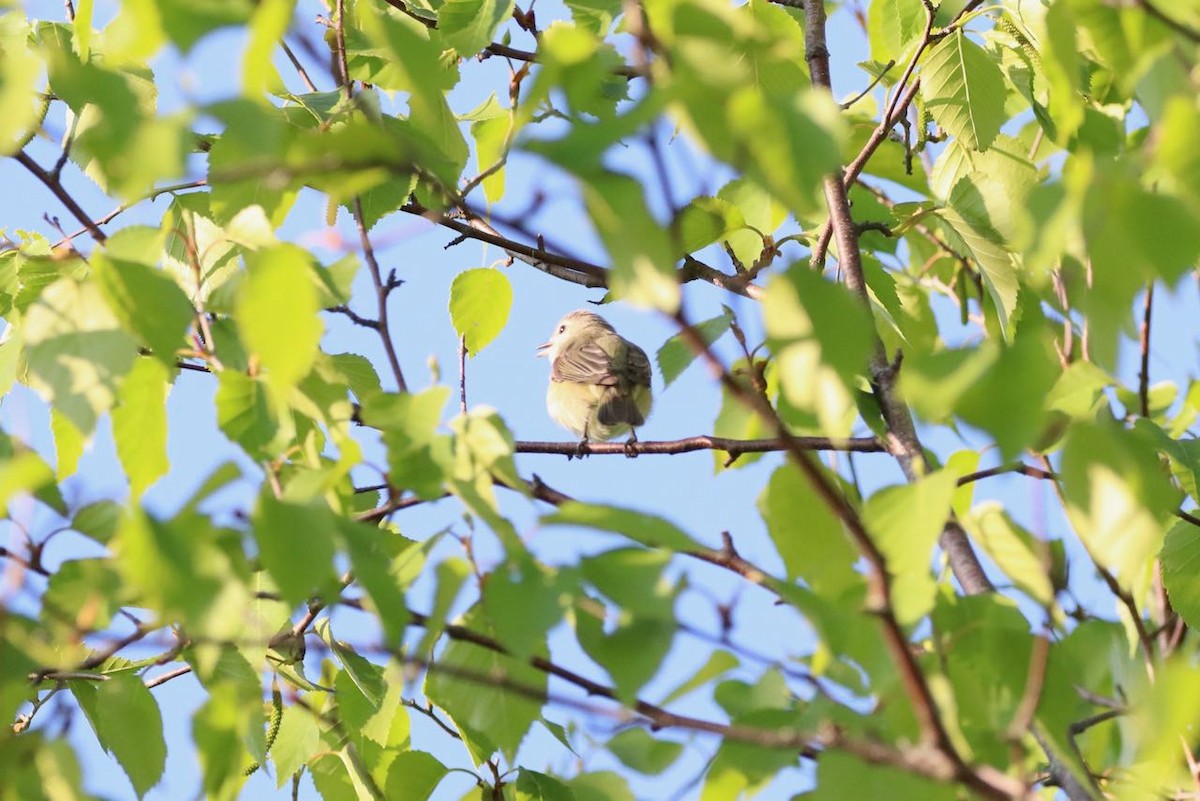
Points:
[[581, 450], [631, 451]]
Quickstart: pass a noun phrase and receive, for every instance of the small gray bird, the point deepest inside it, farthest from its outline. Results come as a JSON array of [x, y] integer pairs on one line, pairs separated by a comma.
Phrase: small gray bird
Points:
[[599, 381]]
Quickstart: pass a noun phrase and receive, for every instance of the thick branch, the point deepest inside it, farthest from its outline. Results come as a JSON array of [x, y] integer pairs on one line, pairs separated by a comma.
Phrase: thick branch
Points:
[[903, 441]]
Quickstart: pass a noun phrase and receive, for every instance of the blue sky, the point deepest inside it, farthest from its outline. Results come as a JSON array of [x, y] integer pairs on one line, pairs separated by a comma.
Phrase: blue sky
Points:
[[506, 376]]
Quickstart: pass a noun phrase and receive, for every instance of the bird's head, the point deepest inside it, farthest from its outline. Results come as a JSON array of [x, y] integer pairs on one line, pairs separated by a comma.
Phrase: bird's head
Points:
[[570, 329]]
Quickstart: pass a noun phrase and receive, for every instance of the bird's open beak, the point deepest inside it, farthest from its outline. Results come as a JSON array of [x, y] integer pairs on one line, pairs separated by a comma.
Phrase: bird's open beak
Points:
[[543, 349]]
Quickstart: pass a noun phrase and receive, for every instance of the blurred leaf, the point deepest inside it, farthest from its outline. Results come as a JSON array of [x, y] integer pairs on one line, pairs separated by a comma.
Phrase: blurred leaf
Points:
[[19, 71], [472, 685], [76, 351], [1118, 497], [821, 336], [140, 424], [480, 301], [810, 539], [600, 786], [469, 25], [633, 579], [277, 314], [296, 545], [69, 443], [843, 770], [409, 424], [649, 530], [705, 220], [523, 601], [97, 520], [640, 751], [718, 664], [1023, 558], [632, 651], [643, 266]]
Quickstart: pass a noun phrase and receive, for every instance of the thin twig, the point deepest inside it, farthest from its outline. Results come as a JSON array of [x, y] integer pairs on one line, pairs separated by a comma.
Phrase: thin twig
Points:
[[1175, 25], [1144, 344], [1022, 469]]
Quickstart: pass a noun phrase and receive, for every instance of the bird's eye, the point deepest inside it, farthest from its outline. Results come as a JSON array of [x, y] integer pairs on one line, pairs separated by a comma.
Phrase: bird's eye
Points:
[[562, 328]]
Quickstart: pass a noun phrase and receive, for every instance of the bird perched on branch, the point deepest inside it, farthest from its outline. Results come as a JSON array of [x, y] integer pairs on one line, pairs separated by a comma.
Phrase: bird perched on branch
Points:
[[599, 381]]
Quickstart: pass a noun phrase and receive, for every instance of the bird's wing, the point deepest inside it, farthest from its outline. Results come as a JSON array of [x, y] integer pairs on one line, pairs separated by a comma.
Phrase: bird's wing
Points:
[[586, 363], [637, 365]]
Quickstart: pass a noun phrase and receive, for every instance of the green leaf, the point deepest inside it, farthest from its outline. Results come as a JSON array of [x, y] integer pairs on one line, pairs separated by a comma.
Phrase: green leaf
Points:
[[633, 579], [491, 148], [762, 213], [705, 220], [641, 752], [244, 412], [140, 424], [469, 25], [480, 301], [128, 724], [97, 520], [471, 684], [875, 781], [22, 470], [1017, 552], [600, 786], [1179, 555], [964, 90], [809, 537], [905, 522], [373, 552], [296, 545], [277, 313], [151, 307], [268, 24], [892, 27], [793, 140], [632, 652], [219, 729], [649, 530], [417, 455], [84, 593], [675, 355], [76, 351], [522, 602], [643, 265], [413, 776], [298, 739], [534, 786]]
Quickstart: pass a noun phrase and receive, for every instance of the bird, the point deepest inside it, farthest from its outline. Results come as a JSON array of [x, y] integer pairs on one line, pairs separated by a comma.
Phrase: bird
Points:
[[599, 381]]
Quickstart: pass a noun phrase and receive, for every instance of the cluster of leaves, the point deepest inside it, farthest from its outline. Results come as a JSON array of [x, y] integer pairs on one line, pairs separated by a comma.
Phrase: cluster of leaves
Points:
[[1031, 165]]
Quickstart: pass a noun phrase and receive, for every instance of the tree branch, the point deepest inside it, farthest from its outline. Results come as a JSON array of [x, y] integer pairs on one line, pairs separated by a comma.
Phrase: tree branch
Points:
[[704, 442], [55, 186]]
